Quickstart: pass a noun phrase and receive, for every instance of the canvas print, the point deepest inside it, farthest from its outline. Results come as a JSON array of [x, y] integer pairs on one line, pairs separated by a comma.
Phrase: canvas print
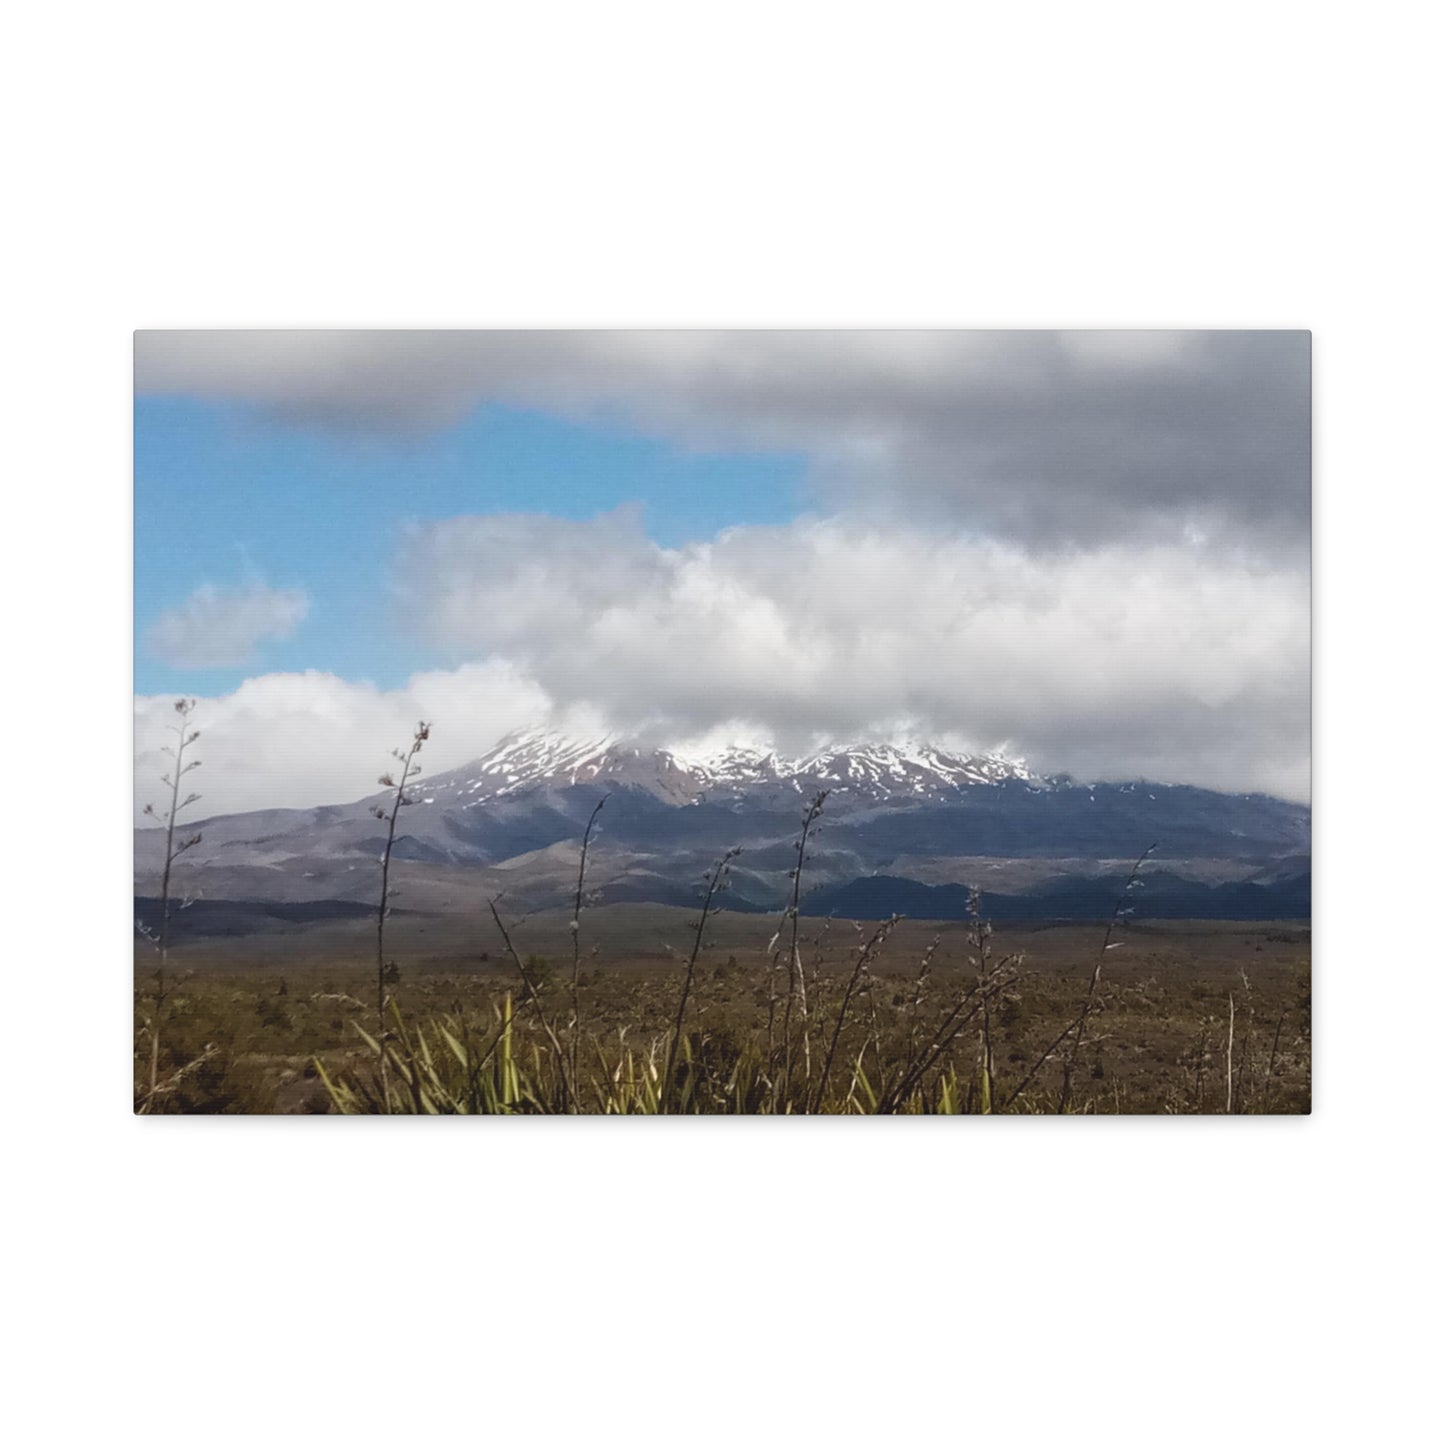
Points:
[[722, 722]]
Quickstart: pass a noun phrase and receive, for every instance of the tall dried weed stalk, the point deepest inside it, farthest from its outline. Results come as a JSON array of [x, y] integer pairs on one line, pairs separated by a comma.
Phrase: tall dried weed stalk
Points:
[[398, 798], [175, 848]]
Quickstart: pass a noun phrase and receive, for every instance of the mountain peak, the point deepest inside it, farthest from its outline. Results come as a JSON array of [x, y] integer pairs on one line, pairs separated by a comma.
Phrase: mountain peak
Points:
[[879, 771]]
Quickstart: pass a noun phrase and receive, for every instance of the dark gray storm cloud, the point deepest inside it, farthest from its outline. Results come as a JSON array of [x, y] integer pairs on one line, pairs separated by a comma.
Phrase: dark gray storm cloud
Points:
[[1040, 437]]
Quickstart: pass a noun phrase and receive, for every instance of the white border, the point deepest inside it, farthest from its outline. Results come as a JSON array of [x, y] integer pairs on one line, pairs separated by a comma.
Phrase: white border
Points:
[[784, 164]]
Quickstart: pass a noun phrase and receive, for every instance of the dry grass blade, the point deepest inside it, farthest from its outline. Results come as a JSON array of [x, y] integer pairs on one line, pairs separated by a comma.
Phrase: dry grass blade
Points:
[[865, 953], [716, 881], [575, 1026], [568, 1089], [1121, 910], [797, 984]]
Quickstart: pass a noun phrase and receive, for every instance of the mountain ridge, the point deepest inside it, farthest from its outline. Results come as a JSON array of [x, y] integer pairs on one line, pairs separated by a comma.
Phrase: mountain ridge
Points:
[[511, 821], [527, 756]]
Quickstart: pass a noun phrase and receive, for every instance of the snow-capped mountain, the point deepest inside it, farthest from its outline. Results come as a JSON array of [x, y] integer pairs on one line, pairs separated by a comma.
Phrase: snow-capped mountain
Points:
[[511, 822], [873, 772]]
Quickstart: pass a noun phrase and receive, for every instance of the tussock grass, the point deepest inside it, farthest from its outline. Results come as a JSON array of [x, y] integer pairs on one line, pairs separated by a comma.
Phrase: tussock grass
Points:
[[1157, 1043]]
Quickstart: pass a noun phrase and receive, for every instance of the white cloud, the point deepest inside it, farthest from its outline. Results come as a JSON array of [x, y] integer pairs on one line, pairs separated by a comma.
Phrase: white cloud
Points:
[[1163, 661], [222, 627], [294, 740]]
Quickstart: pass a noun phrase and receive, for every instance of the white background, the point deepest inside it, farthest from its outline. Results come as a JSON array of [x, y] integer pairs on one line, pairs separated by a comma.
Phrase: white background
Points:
[[625, 164]]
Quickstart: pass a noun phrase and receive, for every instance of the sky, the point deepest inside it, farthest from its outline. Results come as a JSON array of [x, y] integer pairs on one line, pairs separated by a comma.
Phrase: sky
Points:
[[1089, 549]]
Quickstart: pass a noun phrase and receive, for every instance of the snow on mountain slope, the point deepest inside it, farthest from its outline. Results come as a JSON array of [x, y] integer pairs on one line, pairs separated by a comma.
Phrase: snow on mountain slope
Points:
[[875, 772]]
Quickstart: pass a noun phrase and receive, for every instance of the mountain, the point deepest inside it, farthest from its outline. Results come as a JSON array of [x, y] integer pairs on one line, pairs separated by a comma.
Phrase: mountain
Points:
[[913, 814], [1161, 894], [878, 772]]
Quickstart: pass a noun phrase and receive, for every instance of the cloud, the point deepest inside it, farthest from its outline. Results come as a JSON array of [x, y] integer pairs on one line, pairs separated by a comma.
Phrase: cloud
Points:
[[1041, 438], [1159, 662], [296, 740], [222, 627], [1092, 546], [1163, 661]]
